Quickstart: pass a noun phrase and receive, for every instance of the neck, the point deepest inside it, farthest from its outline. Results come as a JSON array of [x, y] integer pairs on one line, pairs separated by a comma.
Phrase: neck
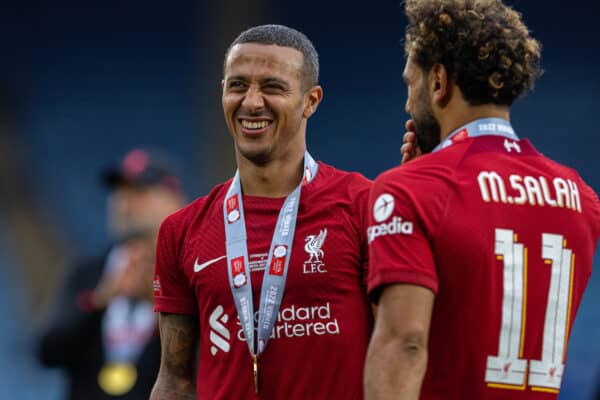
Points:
[[455, 117], [276, 178]]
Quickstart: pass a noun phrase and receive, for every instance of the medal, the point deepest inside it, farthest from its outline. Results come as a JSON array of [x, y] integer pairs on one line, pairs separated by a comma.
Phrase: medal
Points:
[[255, 372], [275, 275], [117, 379]]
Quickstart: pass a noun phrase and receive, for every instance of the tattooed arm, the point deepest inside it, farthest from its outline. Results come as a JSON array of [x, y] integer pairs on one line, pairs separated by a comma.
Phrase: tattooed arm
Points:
[[178, 338]]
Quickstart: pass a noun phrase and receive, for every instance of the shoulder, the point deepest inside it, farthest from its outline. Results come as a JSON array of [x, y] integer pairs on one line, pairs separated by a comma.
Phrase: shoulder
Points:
[[344, 183], [199, 206], [589, 197], [425, 174], [572, 174], [181, 221], [417, 192]]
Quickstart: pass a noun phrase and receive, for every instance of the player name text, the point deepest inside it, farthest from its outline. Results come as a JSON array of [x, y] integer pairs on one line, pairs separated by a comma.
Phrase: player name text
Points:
[[529, 190]]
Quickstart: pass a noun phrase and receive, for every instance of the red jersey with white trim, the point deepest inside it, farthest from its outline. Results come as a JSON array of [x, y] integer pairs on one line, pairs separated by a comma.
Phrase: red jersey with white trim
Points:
[[505, 238], [318, 346]]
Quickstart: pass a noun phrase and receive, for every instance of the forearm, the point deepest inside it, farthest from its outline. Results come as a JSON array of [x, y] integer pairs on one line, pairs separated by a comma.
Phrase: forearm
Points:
[[176, 377], [170, 388], [397, 356], [395, 368]]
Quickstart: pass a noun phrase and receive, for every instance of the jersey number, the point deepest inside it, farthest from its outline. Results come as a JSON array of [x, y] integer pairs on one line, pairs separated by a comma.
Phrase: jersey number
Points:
[[508, 369]]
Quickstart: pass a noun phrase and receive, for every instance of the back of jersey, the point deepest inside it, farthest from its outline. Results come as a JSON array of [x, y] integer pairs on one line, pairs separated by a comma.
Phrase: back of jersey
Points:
[[514, 253], [505, 239]]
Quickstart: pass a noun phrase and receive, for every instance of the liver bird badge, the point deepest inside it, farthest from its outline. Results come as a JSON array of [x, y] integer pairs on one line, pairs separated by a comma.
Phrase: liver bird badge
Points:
[[313, 246]]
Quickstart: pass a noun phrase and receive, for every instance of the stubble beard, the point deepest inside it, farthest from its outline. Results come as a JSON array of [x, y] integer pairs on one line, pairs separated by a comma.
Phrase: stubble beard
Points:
[[427, 128], [257, 157]]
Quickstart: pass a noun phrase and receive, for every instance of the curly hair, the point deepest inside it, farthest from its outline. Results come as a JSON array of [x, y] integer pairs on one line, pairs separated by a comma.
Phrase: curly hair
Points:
[[484, 45]]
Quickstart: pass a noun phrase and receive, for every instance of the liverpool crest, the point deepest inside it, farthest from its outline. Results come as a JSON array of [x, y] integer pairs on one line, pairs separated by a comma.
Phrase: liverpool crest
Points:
[[314, 247]]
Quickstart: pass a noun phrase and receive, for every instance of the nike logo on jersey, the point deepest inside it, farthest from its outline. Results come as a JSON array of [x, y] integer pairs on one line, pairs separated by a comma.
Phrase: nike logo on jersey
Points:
[[200, 267]]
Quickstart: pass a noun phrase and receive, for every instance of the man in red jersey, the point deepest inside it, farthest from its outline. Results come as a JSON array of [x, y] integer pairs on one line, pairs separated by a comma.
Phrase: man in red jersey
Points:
[[480, 250], [266, 274]]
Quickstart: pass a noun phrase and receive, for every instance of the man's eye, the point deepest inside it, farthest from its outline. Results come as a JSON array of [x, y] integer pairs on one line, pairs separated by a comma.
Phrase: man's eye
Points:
[[273, 88], [235, 85]]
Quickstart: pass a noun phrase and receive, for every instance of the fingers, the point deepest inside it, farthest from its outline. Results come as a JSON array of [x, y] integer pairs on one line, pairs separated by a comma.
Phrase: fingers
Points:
[[409, 149], [409, 138]]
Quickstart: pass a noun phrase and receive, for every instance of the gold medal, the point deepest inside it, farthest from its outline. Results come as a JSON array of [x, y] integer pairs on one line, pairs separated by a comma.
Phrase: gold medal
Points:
[[255, 372], [117, 379]]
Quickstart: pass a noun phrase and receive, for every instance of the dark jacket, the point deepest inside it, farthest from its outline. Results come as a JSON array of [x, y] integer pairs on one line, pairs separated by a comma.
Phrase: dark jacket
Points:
[[73, 341]]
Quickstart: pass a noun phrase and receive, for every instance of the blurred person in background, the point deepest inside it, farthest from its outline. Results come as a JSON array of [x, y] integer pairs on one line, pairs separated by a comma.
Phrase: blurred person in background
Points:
[[104, 333]]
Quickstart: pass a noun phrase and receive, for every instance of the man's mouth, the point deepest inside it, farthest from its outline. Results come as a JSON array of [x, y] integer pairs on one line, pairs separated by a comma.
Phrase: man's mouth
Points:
[[254, 127]]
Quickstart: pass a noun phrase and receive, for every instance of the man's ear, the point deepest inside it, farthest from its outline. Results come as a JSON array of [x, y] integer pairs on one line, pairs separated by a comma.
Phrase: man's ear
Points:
[[439, 85], [313, 97]]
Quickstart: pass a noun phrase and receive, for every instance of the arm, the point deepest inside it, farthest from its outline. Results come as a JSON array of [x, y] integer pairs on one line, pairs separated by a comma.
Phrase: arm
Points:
[[178, 338], [397, 355], [68, 332]]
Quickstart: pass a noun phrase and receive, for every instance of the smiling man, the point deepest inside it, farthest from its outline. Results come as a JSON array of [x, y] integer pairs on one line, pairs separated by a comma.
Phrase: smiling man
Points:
[[265, 275]]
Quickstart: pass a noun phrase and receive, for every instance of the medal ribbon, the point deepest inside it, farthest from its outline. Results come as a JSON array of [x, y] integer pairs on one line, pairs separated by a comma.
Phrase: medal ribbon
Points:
[[238, 266], [480, 127]]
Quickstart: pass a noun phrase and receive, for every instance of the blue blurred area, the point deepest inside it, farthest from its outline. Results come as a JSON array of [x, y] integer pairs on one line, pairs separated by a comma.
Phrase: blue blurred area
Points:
[[20, 376], [97, 79]]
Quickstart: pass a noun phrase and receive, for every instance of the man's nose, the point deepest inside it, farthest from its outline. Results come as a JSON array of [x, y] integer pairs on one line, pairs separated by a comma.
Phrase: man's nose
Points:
[[253, 100]]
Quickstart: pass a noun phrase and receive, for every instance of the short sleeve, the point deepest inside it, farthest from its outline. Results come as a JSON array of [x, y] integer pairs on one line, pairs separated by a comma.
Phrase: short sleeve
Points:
[[399, 242], [172, 290]]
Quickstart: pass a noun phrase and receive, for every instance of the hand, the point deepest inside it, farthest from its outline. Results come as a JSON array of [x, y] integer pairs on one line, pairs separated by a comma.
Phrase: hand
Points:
[[410, 149], [106, 290], [135, 280]]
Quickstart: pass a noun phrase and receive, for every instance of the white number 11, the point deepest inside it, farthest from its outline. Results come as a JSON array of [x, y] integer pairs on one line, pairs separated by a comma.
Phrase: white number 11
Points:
[[508, 369]]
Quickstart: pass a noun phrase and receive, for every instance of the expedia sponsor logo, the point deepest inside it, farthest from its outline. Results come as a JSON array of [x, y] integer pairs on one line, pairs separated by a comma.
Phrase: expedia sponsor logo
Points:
[[383, 207], [394, 227]]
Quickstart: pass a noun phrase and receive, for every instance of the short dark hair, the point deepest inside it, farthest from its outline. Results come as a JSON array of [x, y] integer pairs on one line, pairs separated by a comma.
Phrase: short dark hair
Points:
[[483, 44], [284, 36]]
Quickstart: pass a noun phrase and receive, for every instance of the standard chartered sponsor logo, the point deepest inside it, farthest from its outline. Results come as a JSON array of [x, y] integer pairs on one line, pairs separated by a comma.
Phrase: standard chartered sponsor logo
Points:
[[219, 335], [292, 322], [295, 321]]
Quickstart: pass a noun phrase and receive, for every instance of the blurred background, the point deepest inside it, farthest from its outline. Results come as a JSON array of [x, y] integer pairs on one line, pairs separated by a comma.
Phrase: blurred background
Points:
[[83, 82]]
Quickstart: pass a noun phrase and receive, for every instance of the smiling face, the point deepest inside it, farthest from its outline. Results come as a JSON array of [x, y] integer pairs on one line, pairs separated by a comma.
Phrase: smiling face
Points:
[[264, 103]]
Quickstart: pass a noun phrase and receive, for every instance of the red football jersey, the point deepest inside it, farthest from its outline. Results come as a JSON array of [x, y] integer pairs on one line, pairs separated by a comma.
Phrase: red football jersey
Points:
[[505, 239], [318, 346]]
